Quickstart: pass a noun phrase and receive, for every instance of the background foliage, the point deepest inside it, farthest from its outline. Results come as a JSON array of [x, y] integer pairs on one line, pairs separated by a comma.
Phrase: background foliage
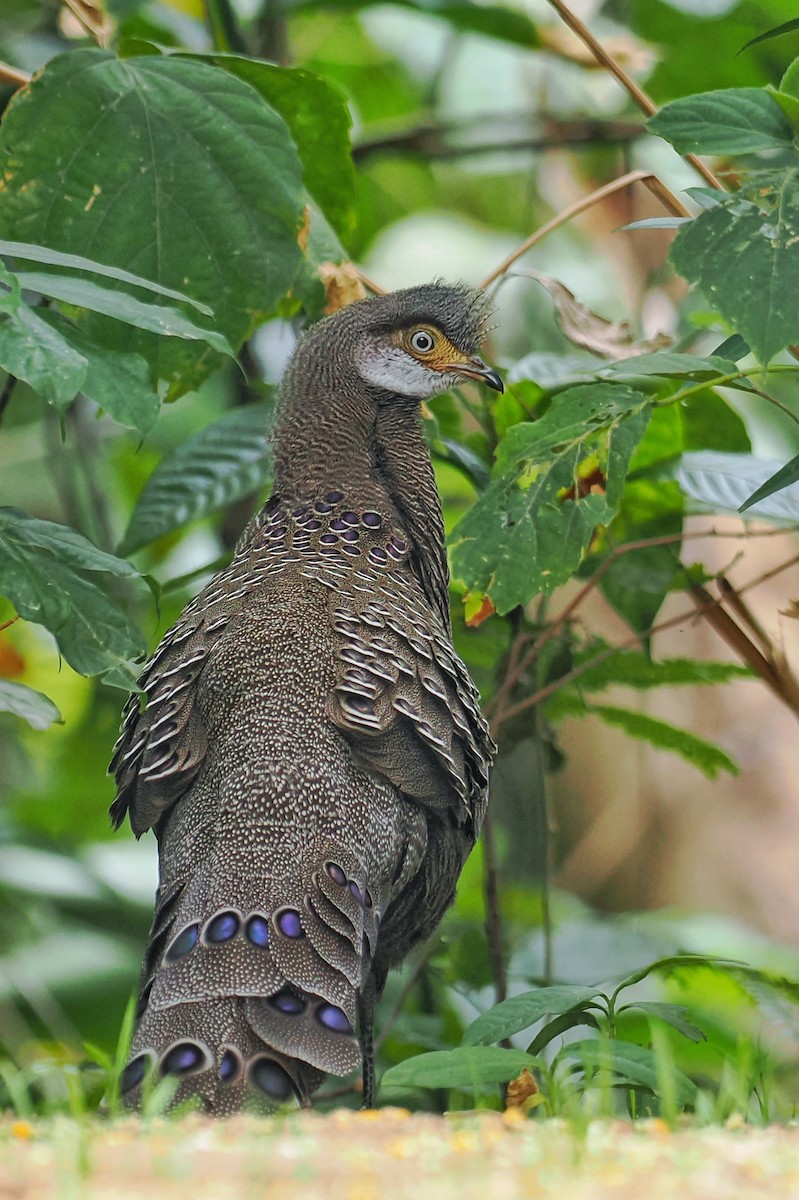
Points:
[[183, 188]]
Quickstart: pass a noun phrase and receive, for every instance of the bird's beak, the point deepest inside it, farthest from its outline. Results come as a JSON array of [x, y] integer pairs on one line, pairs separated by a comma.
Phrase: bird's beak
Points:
[[475, 368]]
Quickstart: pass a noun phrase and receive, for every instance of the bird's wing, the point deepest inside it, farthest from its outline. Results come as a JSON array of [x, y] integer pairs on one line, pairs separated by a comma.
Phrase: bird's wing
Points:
[[162, 745], [404, 699]]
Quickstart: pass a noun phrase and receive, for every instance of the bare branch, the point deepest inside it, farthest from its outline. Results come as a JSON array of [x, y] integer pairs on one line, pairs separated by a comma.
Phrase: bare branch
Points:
[[644, 102], [656, 186]]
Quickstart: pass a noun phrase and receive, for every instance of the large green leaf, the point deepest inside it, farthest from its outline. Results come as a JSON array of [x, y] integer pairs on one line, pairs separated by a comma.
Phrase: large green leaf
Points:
[[165, 167], [520, 1012], [48, 572], [529, 529], [724, 483], [744, 254], [319, 120], [35, 708], [228, 459], [464, 1067], [728, 121]]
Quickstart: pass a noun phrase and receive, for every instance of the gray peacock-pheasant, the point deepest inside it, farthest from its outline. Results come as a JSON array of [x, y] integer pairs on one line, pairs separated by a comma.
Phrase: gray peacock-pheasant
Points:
[[311, 753]]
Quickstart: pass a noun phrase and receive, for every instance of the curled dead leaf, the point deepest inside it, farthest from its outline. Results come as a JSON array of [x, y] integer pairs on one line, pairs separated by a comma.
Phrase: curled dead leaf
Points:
[[608, 339], [523, 1091]]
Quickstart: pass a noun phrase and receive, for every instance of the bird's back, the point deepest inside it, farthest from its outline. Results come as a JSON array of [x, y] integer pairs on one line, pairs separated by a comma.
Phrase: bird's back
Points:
[[314, 762]]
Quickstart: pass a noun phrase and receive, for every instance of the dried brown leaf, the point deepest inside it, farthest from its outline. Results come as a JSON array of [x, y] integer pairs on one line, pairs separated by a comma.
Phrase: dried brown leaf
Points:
[[587, 329]]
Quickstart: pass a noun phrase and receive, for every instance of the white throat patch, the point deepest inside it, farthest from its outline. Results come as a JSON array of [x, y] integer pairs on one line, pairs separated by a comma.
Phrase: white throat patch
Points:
[[390, 367]]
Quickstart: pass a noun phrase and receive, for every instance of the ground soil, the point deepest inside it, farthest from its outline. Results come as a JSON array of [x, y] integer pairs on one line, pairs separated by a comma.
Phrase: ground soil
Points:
[[390, 1155]]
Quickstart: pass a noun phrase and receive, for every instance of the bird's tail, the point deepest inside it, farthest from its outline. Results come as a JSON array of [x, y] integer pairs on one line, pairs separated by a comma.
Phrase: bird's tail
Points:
[[257, 999]]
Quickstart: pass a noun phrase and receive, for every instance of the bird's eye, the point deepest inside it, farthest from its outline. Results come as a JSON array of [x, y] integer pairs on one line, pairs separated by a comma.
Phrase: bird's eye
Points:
[[422, 341]]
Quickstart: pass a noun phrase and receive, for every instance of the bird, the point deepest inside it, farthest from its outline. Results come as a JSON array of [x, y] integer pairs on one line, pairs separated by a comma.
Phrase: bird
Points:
[[310, 750]]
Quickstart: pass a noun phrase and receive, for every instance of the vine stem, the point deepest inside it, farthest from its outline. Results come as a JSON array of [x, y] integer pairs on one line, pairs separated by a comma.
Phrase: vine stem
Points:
[[655, 185]]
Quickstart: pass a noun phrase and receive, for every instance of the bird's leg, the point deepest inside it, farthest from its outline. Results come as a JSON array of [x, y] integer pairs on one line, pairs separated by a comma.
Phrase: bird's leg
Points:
[[366, 1024]]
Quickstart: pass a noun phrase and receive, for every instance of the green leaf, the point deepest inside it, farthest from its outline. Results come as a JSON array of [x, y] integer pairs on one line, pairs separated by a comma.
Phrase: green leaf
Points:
[[776, 483], [528, 531], [520, 1012], [629, 1063], [165, 167], [777, 31], [670, 364], [119, 383], [631, 668], [708, 758], [729, 121], [745, 257], [157, 318], [463, 1067], [725, 483], [675, 1015], [637, 582], [33, 351], [43, 572], [34, 707], [228, 459], [76, 262], [10, 291], [319, 120]]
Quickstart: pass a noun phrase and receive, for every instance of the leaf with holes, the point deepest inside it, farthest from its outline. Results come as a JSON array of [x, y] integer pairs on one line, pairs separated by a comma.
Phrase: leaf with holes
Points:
[[520, 1012], [463, 1067], [223, 462], [744, 254], [50, 572], [34, 707], [556, 479], [100, 156]]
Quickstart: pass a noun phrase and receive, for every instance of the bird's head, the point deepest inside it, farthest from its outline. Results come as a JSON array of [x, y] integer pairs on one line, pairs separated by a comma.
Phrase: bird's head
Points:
[[420, 341]]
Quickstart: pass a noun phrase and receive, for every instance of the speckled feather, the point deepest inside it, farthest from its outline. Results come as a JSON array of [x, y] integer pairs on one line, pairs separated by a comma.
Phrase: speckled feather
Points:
[[311, 753]]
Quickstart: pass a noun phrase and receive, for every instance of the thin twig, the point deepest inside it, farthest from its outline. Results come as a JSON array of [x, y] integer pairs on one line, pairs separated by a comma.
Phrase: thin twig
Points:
[[12, 76], [518, 665], [429, 140], [712, 603], [656, 186], [644, 102], [493, 917]]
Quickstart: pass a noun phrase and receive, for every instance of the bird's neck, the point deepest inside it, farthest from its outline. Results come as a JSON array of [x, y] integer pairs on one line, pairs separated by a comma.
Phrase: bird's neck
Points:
[[331, 435]]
